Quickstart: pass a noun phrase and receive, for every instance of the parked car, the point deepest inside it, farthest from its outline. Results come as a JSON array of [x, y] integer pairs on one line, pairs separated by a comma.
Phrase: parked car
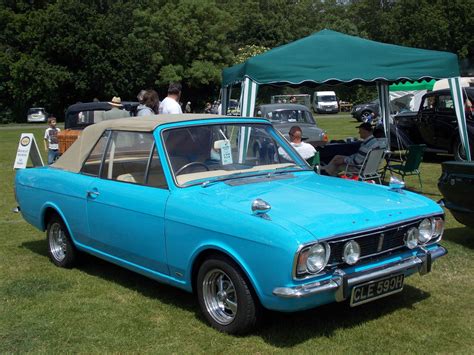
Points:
[[325, 102], [435, 124], [37, 114], [284, 116], [456, 183], [362, 112], [183, 200], [81, 115], [233, 109]]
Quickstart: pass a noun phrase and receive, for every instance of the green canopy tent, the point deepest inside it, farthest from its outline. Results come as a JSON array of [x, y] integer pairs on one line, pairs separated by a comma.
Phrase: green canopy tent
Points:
[[329, 57]]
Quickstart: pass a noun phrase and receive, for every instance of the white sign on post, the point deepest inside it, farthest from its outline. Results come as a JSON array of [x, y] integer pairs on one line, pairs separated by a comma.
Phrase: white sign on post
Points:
[[27, 147]]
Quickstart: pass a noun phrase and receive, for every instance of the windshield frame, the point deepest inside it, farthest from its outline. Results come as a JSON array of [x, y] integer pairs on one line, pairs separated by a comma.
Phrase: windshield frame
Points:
[[274, 133]]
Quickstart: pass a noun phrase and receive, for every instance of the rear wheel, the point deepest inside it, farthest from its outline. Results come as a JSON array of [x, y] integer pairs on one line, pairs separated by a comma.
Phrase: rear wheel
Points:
[[458, 151], [61, 250], [225, 297]]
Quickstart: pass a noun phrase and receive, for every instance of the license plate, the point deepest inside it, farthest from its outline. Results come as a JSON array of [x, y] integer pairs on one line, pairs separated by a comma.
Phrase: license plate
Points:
[[376, 289]]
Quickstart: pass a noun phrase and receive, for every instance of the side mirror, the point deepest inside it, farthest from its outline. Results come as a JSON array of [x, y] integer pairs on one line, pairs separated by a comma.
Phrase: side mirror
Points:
[[396, 184]]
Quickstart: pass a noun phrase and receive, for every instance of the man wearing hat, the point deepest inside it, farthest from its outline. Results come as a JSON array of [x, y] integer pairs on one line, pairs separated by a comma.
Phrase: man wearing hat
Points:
[[338, 163], [116, 109]]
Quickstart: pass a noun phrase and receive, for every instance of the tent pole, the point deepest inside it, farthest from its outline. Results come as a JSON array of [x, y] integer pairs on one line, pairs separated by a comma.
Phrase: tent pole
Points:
[[224, 99], [384, 104], [458, 100], [248, 97], [247, 108]]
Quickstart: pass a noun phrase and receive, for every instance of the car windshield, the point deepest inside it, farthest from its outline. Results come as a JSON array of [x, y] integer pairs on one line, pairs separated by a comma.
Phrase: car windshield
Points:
[[327, 98], [202, 154], [292, 116], [35, 111], [233, 104]]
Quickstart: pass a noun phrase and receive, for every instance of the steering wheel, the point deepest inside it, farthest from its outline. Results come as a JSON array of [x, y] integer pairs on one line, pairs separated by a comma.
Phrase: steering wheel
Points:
[[184, 167]]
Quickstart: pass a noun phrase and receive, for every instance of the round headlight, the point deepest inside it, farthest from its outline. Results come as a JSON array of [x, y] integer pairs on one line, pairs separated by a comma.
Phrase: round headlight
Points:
[[411, 240], [425, 231], [351, 252], [317, 258]]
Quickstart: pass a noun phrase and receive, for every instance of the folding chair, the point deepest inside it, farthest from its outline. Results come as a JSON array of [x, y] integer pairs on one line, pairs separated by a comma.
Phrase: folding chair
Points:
[[369, 169], [409, 165], [315, 162]]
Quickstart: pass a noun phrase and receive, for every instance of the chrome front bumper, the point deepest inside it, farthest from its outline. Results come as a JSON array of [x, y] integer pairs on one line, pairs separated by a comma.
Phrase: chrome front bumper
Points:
[[342, 283]]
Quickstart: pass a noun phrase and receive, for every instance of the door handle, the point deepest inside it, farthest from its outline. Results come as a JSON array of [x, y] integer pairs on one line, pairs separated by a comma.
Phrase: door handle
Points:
[[93, 193]]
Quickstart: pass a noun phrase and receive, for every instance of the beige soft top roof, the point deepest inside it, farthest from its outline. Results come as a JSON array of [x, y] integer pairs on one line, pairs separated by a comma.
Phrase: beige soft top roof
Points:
[[73, 158]]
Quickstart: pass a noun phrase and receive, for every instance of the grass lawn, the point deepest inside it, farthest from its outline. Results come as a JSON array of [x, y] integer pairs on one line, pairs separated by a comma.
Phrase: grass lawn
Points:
[[98, 307]]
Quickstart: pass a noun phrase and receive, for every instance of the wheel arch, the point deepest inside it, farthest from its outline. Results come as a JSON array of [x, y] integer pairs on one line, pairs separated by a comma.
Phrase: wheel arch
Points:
[[48, 211], [205, 253]]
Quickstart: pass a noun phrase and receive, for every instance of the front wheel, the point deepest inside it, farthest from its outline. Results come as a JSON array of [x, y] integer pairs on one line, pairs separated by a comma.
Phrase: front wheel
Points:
[[61, 250], [225, 297]]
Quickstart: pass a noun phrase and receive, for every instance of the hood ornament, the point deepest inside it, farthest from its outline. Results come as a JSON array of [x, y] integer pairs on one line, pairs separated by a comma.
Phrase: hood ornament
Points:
[[260, 207]]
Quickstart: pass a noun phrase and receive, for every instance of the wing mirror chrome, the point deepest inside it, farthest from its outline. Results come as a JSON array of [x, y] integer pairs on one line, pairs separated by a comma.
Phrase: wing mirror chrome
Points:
[[260, 207], [396, 184]]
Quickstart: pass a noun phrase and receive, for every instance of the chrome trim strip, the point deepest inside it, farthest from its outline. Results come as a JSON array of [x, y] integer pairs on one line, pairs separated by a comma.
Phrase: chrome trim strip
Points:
[[341, 282]]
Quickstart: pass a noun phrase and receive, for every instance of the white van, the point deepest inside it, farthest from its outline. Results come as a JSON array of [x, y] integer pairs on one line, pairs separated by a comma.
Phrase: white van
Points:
[[325, 102]]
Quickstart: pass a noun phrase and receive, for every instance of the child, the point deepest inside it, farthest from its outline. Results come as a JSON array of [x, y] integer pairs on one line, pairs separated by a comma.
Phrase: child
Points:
[[51, 140]]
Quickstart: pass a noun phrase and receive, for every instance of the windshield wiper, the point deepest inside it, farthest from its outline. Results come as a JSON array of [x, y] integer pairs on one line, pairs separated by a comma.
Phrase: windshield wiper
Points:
[[269, 174], [230, 177]]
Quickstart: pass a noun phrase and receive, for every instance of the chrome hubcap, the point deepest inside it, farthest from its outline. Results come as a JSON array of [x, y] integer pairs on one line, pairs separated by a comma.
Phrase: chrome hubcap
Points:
[[57, 242], [219, 296]]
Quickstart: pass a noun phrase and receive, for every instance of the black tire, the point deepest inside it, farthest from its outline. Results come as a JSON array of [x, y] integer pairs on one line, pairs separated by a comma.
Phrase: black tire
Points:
[[458, 150], [231, 307], [61, 249]]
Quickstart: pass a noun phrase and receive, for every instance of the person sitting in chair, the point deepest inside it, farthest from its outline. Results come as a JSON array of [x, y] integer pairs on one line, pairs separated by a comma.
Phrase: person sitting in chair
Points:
[[338, 163]]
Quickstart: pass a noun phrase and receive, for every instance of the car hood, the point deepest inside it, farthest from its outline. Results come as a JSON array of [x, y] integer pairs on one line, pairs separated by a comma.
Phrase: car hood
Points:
[[324, 206]]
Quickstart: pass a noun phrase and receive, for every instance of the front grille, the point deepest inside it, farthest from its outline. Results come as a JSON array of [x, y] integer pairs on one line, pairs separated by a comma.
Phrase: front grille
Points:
[[372, 243]]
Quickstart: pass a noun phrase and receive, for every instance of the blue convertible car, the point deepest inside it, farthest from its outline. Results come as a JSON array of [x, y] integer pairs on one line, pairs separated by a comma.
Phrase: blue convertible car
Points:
[[187, 200]]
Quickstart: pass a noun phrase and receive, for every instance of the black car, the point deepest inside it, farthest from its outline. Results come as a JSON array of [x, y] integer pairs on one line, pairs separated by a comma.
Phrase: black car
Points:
[[435, 124], [363, 111], [83, 114], [457, 186]]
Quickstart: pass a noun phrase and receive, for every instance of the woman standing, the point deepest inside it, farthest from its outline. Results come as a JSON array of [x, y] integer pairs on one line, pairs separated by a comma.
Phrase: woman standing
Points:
[[149, 104]]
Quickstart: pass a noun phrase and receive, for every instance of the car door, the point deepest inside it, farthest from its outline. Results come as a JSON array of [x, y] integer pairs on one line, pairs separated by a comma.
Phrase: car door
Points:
[[445, 123], [425, 120], [126, 205]]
